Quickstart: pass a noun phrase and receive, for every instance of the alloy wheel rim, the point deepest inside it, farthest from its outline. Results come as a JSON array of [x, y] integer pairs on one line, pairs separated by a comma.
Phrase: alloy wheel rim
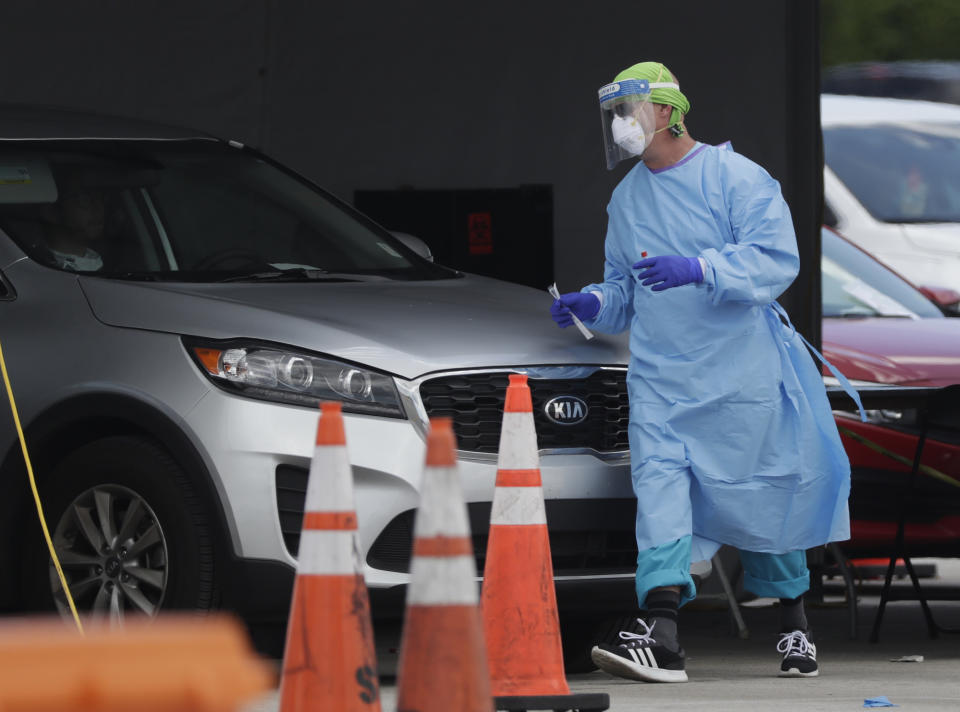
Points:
[[113, 554]]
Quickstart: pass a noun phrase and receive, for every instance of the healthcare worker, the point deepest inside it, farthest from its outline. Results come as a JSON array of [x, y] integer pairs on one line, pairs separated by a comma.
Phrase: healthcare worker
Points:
[[731, 436]]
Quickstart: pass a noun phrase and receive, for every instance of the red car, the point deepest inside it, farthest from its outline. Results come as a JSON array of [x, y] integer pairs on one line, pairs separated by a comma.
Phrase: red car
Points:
[[879, 328]]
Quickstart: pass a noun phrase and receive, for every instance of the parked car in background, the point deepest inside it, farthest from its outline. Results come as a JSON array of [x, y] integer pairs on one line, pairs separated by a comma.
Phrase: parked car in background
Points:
[[892, 186], [173, 307], [879, 329], [927, 80]]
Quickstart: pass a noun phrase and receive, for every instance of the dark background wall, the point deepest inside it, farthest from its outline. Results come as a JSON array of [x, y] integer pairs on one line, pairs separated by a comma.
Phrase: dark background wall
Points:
[[377, 95]]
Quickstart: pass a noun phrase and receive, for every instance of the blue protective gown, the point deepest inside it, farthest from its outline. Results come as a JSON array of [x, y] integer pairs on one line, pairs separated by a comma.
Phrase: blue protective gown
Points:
[[731, 435]]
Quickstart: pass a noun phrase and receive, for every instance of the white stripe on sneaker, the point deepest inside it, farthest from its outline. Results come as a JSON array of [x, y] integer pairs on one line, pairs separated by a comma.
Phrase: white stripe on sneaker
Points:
[[644, 657]]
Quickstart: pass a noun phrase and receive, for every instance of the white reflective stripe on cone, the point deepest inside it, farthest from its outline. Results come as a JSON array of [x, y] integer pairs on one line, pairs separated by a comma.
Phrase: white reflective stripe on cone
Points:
[[328, 552], [443, 581], [441, 511], [518, 443], [518, 505], [330, 487]]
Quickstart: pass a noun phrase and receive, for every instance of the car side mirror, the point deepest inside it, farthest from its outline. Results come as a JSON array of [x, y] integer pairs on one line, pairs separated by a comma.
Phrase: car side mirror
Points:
[[421, 247], [947, 299]]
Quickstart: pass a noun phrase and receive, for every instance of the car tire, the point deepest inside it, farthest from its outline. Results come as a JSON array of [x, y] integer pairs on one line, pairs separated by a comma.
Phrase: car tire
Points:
[[131, 533]]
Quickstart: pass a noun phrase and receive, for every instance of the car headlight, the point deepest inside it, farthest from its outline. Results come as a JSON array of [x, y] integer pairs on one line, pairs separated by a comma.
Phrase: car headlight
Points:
[[287, 376]]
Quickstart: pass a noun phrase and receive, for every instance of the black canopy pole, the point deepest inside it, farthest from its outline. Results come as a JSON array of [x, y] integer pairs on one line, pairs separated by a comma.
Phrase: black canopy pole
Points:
[[805, 160]]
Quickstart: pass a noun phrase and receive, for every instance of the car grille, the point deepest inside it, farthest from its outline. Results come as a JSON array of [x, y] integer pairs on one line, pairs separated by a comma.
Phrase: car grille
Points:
[[475, 403], [586, 537]]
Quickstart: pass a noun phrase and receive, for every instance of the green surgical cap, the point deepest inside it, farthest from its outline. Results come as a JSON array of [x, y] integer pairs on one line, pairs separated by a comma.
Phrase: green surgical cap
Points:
[[656, 72]]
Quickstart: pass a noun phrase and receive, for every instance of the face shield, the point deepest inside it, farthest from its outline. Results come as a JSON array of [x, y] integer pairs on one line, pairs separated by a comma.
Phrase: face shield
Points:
[[627, 117]]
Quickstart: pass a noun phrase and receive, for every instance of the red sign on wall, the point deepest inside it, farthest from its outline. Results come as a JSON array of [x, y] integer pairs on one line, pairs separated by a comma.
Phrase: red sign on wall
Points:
[[479, 233]]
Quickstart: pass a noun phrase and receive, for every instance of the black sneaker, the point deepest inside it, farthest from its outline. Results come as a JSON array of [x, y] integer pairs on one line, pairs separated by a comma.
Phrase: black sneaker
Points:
[[799, 654], [640, 658]]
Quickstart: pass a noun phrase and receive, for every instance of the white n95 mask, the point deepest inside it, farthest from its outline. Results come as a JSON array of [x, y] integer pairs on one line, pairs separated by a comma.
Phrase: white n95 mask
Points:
[[629, 135]]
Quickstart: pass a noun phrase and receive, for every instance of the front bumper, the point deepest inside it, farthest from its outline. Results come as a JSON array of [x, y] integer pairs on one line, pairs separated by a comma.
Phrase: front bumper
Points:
[[259, 454]]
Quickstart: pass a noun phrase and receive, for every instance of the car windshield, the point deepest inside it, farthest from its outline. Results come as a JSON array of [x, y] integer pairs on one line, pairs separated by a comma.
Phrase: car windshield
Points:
[[854, 284], [899, 173], [187, 211]]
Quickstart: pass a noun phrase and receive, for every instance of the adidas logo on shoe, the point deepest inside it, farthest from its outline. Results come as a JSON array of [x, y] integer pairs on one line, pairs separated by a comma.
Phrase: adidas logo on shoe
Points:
[[640, 657]]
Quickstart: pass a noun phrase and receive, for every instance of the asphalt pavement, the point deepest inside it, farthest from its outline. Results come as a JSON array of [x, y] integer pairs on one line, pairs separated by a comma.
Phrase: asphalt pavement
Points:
[[728, 672]]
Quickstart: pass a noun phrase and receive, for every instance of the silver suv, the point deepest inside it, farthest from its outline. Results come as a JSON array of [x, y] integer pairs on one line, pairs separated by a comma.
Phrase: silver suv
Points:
[[174, 307]]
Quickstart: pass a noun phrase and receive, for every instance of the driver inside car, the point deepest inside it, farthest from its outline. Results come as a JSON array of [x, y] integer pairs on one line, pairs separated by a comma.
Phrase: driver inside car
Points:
[[74, 225]]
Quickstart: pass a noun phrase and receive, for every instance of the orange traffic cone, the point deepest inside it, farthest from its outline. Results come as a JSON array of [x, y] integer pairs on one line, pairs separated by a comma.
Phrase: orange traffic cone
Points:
[[443, 660], [174, 663], [520, 617], [329, 661]]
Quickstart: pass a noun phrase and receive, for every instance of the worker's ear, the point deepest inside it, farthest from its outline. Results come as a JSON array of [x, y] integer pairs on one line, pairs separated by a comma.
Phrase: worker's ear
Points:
[[662, 113]]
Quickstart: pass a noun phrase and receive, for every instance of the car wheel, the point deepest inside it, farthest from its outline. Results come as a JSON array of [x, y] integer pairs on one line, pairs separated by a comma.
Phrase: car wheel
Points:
[[130, 532]]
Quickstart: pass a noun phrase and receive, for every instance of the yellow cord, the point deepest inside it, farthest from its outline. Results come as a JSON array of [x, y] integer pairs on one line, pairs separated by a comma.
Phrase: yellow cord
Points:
[[36, 494], [923, 469]]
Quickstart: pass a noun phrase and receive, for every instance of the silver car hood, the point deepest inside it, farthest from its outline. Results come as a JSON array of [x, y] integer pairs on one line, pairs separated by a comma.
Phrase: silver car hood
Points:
[[405, 328]]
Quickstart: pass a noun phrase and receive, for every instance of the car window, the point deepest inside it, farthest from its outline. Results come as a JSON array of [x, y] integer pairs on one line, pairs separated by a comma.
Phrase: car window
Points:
[[899, 173], [854, 284], [188, 210]]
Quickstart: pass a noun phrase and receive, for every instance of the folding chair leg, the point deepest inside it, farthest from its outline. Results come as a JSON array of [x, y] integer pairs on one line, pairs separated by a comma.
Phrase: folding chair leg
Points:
[[899, 545], [933, 630], [742, 631], [932, 627], [844, 565], [875, 633]]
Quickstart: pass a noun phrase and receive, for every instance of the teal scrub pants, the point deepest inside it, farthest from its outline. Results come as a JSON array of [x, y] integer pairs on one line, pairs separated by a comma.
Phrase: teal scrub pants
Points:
[[766, 575]]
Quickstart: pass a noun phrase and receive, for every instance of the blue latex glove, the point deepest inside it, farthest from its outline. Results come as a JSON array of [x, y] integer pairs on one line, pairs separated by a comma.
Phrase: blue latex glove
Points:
[[669, 271], [584, 304]]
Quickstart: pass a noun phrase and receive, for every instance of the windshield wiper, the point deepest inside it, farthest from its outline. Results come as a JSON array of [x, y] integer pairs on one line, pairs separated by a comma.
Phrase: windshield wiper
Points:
[[132, 276], [296, 274]]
